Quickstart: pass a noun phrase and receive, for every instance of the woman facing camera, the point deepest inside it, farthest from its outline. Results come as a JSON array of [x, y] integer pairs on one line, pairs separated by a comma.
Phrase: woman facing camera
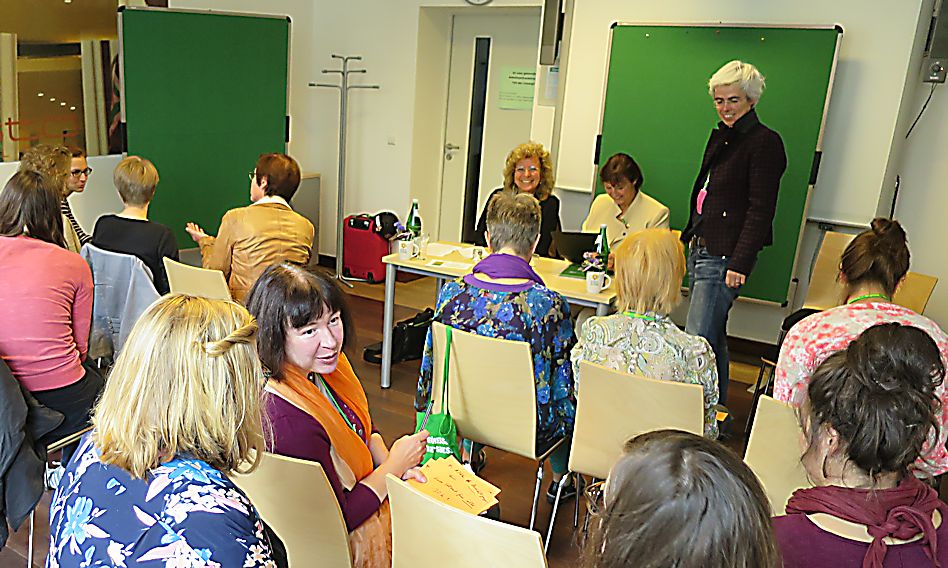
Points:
[[45, 303], [624, 207], [130, 232], [868, 413], [267, 231], [503, 297], [316, 405], [529, 170], [54, 163], [871, 268], [676, 500], [641, 338], [149, 486]]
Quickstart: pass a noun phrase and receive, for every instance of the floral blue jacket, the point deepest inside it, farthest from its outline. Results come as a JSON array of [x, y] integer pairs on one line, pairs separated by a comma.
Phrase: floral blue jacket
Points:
[[184, 514], [536, 315]]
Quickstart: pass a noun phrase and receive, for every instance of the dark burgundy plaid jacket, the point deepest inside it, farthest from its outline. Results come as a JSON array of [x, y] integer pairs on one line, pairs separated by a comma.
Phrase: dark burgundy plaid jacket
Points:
[[746, 162]]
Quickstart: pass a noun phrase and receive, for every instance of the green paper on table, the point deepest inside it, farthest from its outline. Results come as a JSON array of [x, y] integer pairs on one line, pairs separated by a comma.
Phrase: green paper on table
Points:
[[574, 271]]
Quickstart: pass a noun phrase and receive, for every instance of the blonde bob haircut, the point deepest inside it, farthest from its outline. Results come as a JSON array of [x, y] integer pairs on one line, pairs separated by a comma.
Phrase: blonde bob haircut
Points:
[[530, 150], [744, 75], [187, 382], [649, 267], [135, 179]]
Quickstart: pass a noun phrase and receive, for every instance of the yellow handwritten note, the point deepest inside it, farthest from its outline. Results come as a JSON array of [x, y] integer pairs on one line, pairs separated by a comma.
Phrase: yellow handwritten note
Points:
[[452, 484]]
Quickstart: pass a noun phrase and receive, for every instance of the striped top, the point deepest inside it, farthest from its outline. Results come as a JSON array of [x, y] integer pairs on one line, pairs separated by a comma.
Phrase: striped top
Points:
[[83, 237]]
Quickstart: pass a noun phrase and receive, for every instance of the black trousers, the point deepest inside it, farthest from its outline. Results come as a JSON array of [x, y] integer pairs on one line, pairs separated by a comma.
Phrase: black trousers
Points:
[[75, 402]]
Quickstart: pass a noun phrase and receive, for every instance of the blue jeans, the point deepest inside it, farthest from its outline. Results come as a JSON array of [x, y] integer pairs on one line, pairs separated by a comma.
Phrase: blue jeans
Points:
[[711, 300]]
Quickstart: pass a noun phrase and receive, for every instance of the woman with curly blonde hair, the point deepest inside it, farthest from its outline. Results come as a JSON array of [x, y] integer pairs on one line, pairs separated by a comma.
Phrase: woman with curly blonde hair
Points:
[[148, 486], [529, 169]]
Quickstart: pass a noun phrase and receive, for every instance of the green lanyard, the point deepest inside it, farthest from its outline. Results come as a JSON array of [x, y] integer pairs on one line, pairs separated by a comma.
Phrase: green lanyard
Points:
[[637, 315], [866, 297], [335, 405]]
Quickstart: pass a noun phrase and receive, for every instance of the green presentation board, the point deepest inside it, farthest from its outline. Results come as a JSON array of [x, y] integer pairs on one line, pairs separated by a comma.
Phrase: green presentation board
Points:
[[204, 94], [658, 110]]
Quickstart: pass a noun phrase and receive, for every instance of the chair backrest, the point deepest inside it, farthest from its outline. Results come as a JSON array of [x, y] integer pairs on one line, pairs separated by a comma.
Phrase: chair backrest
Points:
[[826, 292], [491, 390], [773, 452], [295, 498], [614, 406], [194, 281], [428, 533]]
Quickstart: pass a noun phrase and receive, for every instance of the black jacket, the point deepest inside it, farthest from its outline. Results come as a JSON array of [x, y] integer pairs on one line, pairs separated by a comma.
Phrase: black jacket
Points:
[[22, 458], [745, 162]]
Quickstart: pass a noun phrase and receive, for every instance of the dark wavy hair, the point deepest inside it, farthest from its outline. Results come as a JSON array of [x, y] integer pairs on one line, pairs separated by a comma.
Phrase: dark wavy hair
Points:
[[621, 166], [30, 204], [879, 395], [289, 295], [679, 500], [879, 255]]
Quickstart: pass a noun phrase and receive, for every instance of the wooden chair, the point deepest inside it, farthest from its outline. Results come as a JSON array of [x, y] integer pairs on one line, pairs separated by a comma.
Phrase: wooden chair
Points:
[[614, 406], [492, 394], [825, 292], [295, 498], [773, 452], [428, 533], [186, 279]]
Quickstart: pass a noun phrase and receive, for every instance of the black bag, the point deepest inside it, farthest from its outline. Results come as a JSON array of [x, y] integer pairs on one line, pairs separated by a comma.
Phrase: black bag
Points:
[[408, 339]]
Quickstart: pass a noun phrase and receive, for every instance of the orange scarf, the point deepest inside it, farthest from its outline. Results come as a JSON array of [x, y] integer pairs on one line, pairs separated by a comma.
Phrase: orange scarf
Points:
[[297, 389]]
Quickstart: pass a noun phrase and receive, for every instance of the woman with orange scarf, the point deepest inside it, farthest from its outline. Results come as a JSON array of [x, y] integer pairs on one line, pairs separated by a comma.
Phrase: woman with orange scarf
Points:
[[316, 405]]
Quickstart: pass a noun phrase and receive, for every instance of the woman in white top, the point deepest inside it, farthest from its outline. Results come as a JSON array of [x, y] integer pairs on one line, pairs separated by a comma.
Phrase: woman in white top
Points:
[[624, 208]]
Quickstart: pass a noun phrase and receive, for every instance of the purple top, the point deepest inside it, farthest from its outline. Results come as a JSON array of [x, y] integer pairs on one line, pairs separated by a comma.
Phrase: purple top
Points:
[[296, 434], [503, 266], [803, 544]]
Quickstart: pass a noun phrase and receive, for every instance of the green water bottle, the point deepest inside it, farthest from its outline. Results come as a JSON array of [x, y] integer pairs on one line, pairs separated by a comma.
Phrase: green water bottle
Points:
[[602, 247], [413, 222]]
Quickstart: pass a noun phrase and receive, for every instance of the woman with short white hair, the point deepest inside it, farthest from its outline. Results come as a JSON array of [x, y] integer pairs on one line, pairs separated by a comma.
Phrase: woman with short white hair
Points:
[[733, 202]]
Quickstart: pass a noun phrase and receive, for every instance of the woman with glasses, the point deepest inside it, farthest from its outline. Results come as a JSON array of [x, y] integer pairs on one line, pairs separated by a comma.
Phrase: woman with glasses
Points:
[[529, 170], [79, 172], [675, 499], [54, 163], [267, 231]]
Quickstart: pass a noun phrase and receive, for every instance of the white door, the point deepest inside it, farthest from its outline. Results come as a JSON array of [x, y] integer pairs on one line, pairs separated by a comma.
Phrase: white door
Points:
[[513, 47]]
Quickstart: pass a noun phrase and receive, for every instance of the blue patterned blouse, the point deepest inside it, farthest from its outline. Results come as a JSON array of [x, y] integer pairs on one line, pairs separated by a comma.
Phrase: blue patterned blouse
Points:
[[184, 514], [531, 313]]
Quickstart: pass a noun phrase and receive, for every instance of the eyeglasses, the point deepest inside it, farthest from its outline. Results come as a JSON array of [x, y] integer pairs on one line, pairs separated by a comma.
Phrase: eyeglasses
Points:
[[523, 170], [594, 493], [252, 174], [76, 173]]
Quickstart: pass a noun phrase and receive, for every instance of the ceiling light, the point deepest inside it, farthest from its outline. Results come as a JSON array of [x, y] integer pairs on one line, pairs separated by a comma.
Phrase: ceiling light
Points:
[[62, 104], [72, 108], [52, 99], [39, 94], [68, 1]]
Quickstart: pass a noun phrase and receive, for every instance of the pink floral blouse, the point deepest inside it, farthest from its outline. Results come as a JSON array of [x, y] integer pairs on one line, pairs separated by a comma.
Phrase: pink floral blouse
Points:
[[817, 337]]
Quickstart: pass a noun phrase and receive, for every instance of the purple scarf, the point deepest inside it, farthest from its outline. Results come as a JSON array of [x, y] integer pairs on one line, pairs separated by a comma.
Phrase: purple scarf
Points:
[[901, 512], [503, 266]]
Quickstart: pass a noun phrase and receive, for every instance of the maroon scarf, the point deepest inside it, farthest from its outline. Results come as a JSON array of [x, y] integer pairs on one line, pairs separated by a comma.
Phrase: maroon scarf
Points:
[[901, 512]]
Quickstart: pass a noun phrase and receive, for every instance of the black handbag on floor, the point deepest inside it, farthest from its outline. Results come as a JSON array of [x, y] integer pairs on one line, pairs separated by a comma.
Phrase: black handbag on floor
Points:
[[408, 339]]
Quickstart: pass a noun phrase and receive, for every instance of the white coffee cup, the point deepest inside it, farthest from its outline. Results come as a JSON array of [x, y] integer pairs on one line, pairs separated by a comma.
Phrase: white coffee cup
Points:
[[597, 281], [407, 250]]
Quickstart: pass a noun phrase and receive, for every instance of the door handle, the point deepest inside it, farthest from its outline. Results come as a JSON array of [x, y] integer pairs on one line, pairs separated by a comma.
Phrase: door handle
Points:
[[449, 150]]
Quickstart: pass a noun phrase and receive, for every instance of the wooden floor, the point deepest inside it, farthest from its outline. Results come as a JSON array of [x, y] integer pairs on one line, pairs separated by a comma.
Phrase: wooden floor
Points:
[[393, 414]]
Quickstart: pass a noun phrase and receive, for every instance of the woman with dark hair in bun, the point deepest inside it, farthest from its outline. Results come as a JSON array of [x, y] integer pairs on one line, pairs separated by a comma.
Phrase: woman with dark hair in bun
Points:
[[871, 268], [868, 414]]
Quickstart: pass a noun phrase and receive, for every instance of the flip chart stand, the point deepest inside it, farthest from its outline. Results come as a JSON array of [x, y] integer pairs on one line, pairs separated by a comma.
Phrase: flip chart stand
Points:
[[344, 88]]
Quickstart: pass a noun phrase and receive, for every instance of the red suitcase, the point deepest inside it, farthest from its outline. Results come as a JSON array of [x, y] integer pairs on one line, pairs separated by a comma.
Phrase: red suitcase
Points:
[[363, 249]]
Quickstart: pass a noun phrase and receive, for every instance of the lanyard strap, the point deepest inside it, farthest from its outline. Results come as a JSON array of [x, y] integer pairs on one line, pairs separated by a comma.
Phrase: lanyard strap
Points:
[[447, 359], [335, 404], [866, 297], [637, 315]]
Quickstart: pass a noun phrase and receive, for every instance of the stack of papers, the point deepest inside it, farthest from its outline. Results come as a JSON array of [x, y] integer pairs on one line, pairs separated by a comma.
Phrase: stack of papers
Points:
[[452, 484]]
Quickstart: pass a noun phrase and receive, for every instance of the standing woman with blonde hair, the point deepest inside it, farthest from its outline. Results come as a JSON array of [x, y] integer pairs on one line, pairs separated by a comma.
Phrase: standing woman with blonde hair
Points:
[[149, 485], [529, 170], [641, 338], [733, 203]]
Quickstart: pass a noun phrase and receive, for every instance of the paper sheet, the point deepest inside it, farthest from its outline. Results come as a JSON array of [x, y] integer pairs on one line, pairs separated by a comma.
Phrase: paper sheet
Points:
[[441, 249], [448, 264], [452, 484]]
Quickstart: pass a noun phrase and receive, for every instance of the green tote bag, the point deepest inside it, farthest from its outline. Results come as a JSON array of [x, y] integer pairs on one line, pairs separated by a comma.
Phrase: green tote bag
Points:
[[442, 432]]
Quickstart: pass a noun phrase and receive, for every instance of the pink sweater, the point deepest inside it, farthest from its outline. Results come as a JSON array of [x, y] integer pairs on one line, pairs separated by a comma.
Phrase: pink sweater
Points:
[[45, 312]]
